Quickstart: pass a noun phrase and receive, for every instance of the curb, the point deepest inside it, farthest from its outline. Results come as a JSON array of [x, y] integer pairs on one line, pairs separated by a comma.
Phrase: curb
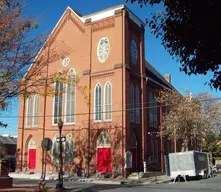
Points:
[[107, 182], [164, 181]]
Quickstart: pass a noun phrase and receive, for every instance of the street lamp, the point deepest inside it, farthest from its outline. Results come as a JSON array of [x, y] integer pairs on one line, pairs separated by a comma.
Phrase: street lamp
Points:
[[60, 172]]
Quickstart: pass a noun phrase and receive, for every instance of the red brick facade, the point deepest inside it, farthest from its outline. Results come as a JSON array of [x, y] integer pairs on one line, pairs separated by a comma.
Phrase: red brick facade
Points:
[[82, 35]]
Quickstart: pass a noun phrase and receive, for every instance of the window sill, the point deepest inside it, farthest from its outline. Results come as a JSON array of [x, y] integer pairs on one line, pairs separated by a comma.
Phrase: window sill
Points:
[[108, 121], [98, 121], [31, 128], [69, 123]]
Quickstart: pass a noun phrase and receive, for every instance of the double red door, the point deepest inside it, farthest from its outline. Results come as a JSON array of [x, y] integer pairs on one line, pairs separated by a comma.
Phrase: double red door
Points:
[[31, 158], [104, 160]]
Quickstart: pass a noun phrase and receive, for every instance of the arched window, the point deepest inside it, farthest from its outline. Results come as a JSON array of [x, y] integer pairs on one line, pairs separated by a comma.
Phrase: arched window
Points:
[[55, 148], [103, 140], [69, 149], [108, 101], [70, 97], [29, 111], [36, 109], [57, 113], [155, 113], [137, 105], [97, 102], [152, 152], [132, 102], [156, 151], [151, 108]]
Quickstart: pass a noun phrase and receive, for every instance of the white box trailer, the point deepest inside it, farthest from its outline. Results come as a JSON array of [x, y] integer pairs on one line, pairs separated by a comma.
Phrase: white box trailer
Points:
[[189, 163]]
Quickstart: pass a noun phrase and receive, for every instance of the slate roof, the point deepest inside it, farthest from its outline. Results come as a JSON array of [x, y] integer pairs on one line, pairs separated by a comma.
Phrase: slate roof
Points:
[[8, 140], [153, 74]]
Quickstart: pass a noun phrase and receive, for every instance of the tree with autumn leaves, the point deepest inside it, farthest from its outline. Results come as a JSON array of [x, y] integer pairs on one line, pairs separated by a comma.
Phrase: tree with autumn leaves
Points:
[[18, 51], [189, 119]]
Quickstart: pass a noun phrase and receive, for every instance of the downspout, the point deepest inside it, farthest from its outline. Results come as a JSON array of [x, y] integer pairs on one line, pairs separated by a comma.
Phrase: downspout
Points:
[[123, 64], [45, 103], [89, 107], [142, 95], [23, 127], [161, 139]]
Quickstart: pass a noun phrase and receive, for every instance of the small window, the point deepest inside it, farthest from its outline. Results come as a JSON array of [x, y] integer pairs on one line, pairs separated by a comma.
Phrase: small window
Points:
[[132, 103], [151, 108], [97, 102], [108, 101], [137, 105], [58, 102], [70, 97], [155, 113], [36, 109], [29, 111]]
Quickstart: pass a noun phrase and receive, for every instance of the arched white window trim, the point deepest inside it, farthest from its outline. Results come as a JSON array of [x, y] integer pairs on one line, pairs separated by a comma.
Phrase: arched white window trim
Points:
[[53, 117], [29, 112], [35, 110], [103, 140], [107, 106], [99, 117], [72, 74], [132, 102], [69, 150]]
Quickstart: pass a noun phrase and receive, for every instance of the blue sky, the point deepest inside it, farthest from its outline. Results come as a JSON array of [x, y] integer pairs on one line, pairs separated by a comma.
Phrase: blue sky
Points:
[[48, 12]]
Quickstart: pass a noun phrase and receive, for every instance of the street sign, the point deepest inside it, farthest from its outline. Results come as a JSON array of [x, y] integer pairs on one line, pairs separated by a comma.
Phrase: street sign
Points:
[[46, 144], [63, 139]]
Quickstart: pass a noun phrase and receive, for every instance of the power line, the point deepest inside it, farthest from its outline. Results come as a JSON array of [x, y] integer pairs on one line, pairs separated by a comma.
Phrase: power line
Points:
[[112, 111]]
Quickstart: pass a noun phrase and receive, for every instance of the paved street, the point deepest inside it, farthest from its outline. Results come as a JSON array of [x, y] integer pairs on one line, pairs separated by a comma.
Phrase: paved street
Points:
[[207, 185]]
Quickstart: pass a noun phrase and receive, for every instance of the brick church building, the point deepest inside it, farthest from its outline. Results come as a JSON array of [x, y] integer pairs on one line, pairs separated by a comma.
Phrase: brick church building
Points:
[[118, 113]]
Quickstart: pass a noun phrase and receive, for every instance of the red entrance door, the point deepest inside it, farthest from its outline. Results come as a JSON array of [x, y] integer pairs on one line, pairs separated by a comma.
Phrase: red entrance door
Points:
[[31, 158], [134, 157], [104, 160]]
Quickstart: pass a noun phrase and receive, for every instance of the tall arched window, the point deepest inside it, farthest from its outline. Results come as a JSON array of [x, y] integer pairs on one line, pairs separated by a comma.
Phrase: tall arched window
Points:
[[70, 97], [108, 101], [29, 111], [36, 109], [155, 113], [97, 102], [152, 152], [156, 151], [69, 149], [137, 105], [132, 102], [55, 148], [57, 113], [151, 108]]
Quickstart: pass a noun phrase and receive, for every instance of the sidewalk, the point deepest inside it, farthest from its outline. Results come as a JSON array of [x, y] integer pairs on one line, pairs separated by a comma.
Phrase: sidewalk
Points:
[[144, 181], [35, 176], [147, 180]]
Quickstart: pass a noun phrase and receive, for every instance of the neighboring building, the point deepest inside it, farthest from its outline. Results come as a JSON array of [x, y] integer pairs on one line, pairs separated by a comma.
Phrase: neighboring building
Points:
[[119, 114], [9, 144]]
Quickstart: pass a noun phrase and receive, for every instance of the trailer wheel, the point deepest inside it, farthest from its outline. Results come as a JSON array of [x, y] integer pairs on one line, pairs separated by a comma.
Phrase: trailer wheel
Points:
[[204, 174]]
